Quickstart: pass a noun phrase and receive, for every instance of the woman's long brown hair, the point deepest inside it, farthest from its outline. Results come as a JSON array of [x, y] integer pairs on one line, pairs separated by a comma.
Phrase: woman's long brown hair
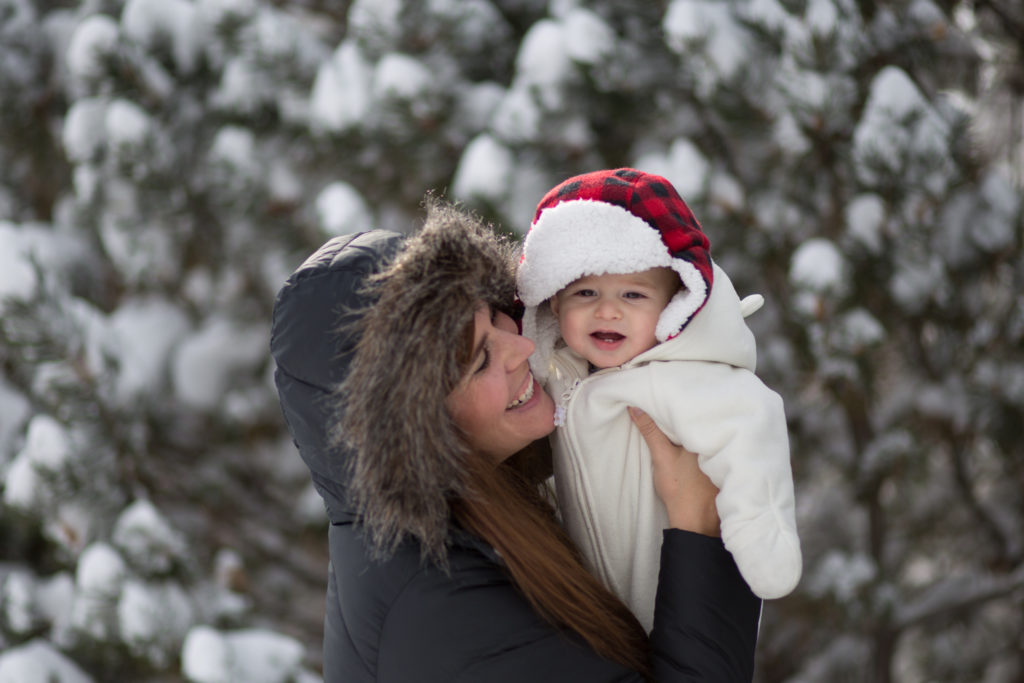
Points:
[[506, 509]]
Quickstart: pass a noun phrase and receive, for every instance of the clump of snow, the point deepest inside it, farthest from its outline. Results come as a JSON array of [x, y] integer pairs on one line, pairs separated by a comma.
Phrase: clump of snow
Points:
[[484, 171], [175, 23], [341, 94], [254, 655], [543, 64], [54, 599], [126, 126], [145, 329], [93, 44], [18, 613], [153, 619], [47, 449], [100, 571], [692, 24], [205, 363], [517, 118], [818, 266], [399, 76], [234, 147], [840, 575], [475, 104], [588, 39], [897, 127], [39, 662], [376, 22], [99, 578], [726, 192], [20, 246], [684, 166], [856, 330], [821, 17], [83, 127], [14, 410], [147, 540], [865, 220], [788, 136], [240, 88], [341, 209], [917, 282]]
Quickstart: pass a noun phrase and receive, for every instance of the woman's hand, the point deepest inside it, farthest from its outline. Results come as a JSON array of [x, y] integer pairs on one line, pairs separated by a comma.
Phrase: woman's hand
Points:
[[688, 494]]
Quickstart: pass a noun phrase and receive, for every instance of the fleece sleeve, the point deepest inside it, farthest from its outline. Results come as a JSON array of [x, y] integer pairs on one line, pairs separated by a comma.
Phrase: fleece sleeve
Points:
[[737, 426]]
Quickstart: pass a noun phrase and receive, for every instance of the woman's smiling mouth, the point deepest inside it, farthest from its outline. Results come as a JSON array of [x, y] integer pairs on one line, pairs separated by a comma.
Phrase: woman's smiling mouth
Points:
[[525, 396]]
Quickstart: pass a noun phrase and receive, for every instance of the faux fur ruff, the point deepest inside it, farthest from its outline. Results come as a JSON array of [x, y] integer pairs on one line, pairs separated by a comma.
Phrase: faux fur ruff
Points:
[[409, 457]]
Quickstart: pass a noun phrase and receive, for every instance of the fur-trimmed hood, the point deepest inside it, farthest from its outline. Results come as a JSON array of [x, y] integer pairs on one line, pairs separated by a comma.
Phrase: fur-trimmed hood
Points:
[[407, 456], [366, 336]]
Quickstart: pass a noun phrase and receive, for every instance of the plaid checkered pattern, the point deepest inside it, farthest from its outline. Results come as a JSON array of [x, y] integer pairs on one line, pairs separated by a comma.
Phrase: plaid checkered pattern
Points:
[[649, 197]]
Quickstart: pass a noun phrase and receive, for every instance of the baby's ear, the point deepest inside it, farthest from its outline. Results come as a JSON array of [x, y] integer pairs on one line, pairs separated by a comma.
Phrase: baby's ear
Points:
[[553, 303]]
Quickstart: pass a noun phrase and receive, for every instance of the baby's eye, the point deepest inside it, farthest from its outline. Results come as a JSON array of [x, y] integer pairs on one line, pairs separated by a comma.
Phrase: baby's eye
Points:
[[585, 292], [635, 295]]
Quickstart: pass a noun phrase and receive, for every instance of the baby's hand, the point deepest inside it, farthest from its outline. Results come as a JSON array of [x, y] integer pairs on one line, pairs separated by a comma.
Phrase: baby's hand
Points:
[[688, 494]]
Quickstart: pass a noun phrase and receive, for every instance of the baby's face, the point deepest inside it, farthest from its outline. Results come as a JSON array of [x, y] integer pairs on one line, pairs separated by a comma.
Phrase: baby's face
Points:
[[608, 319]]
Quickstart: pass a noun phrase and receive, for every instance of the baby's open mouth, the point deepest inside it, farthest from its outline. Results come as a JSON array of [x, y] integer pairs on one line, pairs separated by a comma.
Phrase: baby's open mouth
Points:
[[524, 397], [608, 336]]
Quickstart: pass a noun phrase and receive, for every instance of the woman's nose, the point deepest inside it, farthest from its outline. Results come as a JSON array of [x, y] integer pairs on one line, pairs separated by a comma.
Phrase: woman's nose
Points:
[[517, 349]]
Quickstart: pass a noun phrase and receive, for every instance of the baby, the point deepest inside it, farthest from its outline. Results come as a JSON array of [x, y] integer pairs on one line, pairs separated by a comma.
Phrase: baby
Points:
[[627, 308]]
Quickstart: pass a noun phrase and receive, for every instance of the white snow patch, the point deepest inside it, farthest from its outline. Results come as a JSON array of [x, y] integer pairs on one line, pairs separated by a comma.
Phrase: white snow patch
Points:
[[153, 619], [817, 266], [865, 220], [126, 126], [145, 329], [148, 540], [83, 133], [689, 23], [517, 117], [543, 64], [684, 166], [175, 22], [92, 44], [47, 448], [101, 571], [14, 410], [401, 77], [341, 92], [341, 209], [484, 170], [588, 39], [18, 602], [899, 124], [205, 363], [39, 662], [253, 655]]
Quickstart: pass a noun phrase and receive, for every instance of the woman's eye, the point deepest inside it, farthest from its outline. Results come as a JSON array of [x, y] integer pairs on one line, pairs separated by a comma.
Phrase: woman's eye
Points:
[[485, 362]]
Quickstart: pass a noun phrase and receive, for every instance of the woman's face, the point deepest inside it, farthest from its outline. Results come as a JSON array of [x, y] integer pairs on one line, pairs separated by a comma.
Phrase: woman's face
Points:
[[498, 405]]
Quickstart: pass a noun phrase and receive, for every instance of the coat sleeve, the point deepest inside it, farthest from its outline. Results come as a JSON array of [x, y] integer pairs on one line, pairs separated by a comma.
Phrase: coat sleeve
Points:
[[475, 626]]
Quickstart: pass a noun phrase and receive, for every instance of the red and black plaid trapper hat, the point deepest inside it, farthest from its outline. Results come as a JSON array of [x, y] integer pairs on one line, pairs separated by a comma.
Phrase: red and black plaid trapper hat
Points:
[[612, 221]]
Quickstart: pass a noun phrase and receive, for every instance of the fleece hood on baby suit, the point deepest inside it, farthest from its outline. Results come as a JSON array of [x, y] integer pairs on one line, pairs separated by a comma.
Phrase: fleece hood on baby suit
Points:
[[612, 221]]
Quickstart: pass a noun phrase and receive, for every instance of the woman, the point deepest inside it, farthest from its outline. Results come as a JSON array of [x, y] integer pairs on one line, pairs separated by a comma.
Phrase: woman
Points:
[[446, 562]]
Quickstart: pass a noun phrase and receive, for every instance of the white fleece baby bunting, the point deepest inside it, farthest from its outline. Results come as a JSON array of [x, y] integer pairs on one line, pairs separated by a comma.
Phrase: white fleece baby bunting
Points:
[[700, 388]]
